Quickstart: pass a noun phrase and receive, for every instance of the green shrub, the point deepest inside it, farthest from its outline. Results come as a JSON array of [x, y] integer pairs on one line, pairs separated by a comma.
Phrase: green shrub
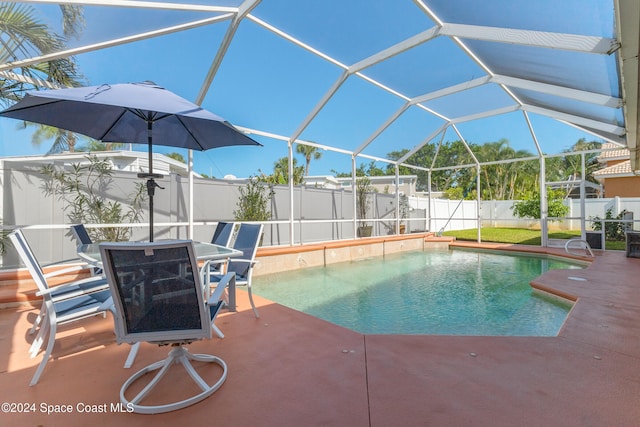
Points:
[[612, 230], [253, 204], [530, 207]]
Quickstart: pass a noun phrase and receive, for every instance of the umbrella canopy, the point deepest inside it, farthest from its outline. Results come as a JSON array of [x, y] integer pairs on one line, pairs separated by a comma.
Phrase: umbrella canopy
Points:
[[130, 113]]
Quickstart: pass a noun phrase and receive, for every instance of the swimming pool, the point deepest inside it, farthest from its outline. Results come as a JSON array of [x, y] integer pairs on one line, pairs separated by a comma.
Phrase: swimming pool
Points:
[[451, 292]]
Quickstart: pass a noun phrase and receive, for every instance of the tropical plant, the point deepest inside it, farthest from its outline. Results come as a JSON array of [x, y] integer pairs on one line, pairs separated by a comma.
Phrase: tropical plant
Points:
[[363, 192], [308, 152], [530, 207], [95, 145], [176, 156], [614, 228], [280, 173], [25, 35], [253, 204], [82, 189], [4, 240]]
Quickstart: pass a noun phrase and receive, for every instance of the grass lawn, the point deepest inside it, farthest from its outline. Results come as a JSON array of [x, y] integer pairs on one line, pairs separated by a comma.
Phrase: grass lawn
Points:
[[521, 236]]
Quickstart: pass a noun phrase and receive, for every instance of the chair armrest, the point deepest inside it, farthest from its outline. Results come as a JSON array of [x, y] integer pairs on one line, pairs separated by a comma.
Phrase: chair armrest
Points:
[[244, 260], [62, 271], [224, 282], [211, 262], [100, 284]]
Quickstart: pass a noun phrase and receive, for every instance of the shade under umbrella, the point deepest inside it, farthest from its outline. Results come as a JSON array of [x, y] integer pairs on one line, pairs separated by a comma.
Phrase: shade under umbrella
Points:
[[130, 113]]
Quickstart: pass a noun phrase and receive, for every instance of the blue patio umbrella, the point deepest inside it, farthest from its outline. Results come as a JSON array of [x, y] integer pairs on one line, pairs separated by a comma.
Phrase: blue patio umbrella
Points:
[[130, 113]]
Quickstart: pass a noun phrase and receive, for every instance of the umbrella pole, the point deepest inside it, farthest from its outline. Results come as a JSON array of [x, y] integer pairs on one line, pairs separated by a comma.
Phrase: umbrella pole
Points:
[[151, 183]]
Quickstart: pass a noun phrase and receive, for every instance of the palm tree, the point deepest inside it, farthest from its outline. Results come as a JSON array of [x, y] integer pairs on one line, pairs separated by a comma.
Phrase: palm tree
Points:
[[308, 152], [280, 173], [24, 35], [63, 140]]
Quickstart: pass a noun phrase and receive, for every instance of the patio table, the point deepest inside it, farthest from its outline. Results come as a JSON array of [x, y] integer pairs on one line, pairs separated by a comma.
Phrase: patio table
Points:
[[203, 251]]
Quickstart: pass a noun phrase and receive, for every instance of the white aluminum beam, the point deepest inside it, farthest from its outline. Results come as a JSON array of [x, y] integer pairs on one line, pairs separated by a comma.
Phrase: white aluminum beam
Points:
[[565, 92], [435, 156], [29, 80], [578, 120], [423, 143], [245, 8], [464, 141], [283, 138], [484, 114], [451, 90], [627, 16], [295, 41], [140, 4], [533, 133], [616, 139], [110, 43], [381, 129], [394, 50], [327, 96], [545, 39]]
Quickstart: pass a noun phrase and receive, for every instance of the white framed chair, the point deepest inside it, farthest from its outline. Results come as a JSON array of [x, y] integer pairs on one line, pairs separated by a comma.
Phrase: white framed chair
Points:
[[223, 233], [61, 304], [159, 298], [247, 240], [82, 237]]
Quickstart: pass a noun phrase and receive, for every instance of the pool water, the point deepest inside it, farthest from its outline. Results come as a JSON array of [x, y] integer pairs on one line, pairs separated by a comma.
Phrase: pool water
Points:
[[448, 292]]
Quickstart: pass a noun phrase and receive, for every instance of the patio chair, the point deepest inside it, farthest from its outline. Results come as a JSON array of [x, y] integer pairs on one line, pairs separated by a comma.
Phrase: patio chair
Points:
[[159, 298], [61, 304], [68, 290], [81, 235], [223, 233], [222, 236], [247, 240]]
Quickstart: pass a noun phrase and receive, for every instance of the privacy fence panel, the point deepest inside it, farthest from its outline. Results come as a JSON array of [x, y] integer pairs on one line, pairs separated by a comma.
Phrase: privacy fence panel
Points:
[[319, 214]]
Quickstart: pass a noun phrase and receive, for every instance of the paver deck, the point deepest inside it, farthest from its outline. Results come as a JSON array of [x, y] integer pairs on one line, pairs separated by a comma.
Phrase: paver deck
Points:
[[291, 369]]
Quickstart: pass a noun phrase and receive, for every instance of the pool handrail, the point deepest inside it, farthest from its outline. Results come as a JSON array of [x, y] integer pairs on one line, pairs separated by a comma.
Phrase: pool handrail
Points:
[[586, 244]]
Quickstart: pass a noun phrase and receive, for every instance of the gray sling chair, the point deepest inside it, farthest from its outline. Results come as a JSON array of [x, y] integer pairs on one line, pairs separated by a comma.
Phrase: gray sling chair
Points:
[[222, 236], [247, 240], [81, 235], [60, 304], [159, 298], [223, 233]]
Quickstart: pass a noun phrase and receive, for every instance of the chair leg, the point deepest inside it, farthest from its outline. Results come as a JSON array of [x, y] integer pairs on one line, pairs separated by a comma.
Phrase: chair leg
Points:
[[45, 358], [133, 352], [253, 306], [178, 355], [217, 330]]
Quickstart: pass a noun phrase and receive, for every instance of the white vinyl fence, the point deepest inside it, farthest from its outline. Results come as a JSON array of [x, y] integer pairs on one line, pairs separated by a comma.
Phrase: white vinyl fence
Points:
[[318, 214]]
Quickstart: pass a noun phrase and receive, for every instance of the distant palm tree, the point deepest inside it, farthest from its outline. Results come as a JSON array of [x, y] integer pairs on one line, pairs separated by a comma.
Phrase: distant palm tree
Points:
[[24, 35], [308, 152], [280, 173], [63, 140], [95, 145]]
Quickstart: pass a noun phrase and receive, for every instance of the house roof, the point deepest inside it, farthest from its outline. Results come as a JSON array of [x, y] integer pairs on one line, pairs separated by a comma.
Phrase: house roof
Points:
[[622, 169], [612, 151], [162, 163]]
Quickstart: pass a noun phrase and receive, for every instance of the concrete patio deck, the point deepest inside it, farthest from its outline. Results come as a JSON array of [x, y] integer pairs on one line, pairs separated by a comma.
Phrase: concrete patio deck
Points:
[[291, 369]]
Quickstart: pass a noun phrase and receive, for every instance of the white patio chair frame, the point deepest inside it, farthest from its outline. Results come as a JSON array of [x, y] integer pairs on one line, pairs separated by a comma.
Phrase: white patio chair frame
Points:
[[208, 308], [61, 304]]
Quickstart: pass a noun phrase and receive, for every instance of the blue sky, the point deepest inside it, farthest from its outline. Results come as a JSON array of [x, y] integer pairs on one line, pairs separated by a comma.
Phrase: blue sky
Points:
[[266, 83]]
